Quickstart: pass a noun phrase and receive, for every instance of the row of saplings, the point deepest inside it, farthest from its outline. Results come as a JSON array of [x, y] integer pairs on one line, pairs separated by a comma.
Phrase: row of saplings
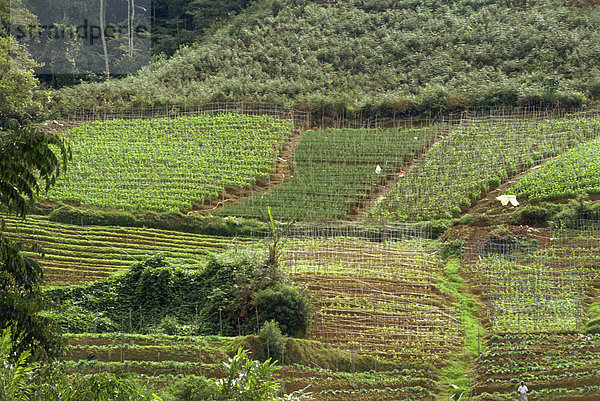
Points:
[[237, 293]]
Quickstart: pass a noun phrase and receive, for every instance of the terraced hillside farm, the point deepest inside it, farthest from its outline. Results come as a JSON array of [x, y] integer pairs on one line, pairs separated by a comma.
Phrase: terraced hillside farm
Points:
[[152, 358], [169, 163], [476, 156], [77, 254], [335, 172], [159, 359], [576, 172], [398, 315], [379, 298], [555, 366], [536, 304]]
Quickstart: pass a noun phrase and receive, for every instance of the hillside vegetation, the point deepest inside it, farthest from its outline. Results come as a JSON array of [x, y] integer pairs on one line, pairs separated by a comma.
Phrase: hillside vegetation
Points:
[[169, 163], [377, 57]]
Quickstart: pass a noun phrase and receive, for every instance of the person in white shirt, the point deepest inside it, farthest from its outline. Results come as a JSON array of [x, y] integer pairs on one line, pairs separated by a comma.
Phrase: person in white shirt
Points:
[[522, 390]]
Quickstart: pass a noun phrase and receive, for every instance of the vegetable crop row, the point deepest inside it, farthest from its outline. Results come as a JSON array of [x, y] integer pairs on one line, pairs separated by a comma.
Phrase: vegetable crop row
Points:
[[168, 163], [476, 156]]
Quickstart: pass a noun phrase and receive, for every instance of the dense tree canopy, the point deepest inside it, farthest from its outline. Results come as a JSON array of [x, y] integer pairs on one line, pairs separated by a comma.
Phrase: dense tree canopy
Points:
[[378, 57]]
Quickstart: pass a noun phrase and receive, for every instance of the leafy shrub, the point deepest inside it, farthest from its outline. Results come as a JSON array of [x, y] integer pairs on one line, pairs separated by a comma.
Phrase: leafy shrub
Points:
[[576, 210], [168, 325], [218, 299], [199, 224], [193, 388], [533, 214], [273, 342], [76, 319], [436, 228], [449, 249], [466, 220], [287, 305]]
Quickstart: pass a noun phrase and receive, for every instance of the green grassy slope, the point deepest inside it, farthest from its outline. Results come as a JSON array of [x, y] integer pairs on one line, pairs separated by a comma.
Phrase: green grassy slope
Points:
[[386, 57]]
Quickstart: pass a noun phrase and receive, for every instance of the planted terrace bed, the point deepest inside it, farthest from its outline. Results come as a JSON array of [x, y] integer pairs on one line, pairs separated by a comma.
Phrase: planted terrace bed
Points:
[[477, 155], [77, 254], [335, 172], [557, 366], [169, 163]]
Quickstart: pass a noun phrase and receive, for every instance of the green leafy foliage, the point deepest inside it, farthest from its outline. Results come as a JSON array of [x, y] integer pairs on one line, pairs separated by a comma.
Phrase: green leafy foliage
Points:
[[30, 160], [193, 388], [194, 223], [375, 58], [15, 383], [249, 380], [245, 380], [20, 98], [287, 305], [534, 214], [335, 172], [574, 173], [180, 23], [274, 345], [169, 163], [219, 299], [458, 169]]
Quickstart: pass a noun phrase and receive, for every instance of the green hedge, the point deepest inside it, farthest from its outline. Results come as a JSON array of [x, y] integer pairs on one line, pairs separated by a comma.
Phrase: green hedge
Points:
[[228, 226]]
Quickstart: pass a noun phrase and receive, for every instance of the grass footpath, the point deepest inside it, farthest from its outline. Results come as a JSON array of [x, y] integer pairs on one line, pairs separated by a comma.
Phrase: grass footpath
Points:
[[456, 377]]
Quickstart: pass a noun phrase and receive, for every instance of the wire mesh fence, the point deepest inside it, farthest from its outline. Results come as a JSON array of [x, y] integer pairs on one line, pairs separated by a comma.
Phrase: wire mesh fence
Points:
[[540, 283], [386, 169], [376, 287], [300, 119]]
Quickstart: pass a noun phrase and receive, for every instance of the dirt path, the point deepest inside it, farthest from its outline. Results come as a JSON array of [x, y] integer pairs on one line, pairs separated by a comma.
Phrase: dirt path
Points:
[[234, 195]]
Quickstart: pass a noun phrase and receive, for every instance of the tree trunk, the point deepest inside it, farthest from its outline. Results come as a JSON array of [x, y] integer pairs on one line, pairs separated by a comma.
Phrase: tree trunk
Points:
[[103, 38]]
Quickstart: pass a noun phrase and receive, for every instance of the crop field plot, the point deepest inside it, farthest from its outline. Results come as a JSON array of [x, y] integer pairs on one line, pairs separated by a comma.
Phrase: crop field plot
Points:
[[326, 385], [379, 299], [554, 366], [153, 359], [531, 297], [375, 298], [77, 254], [158, 360], [576, 172], [536, 306], [335, 171], [538, 290], [477, 155], [169, 163]]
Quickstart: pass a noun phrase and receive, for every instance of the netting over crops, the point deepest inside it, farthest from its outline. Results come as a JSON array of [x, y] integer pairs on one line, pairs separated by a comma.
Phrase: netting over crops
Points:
[[540, 284], [334, 173], [172, 160], [376, 289], [478, 154], [235, 160]]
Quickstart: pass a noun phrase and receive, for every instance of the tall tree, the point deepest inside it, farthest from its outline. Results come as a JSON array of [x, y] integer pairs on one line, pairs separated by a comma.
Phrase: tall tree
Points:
[[103, 37], [30, 161]]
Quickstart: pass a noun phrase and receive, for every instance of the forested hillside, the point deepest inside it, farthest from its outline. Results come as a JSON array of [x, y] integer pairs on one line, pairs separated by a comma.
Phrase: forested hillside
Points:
[[378, 57]]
